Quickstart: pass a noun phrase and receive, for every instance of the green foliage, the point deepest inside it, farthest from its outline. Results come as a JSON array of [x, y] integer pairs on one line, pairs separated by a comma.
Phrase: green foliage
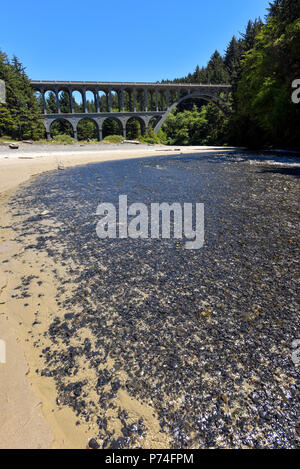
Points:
[[61, 127], [110, 127], [5, 138], [64, 102], [19, 117], [87, 130], [204, 127], [113, 139], [133, 129], [64, 139], [51, 104], [264, 113], [153, 138], [261, 66], [215, 72]]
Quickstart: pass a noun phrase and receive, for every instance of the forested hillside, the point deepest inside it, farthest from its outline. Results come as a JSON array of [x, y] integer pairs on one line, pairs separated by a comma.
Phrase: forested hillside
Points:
[[260, 64], [19, 118]]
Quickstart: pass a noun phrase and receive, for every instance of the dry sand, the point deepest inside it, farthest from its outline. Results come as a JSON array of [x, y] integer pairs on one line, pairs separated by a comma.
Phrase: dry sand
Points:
[[17, 166], [29, 416]]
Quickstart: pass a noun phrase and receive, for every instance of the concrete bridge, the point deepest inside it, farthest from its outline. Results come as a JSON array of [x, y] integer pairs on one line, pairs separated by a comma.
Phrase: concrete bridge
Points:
[[141, 101]]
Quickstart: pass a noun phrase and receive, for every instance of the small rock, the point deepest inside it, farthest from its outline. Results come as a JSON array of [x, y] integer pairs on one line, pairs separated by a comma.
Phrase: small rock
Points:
[[93, 444], [115, 386]]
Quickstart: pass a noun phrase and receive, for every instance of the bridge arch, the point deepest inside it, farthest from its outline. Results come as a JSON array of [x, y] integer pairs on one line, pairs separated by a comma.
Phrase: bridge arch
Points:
[[109, 126], [88, 132], [135, 126], [66, 124], [209, 97]]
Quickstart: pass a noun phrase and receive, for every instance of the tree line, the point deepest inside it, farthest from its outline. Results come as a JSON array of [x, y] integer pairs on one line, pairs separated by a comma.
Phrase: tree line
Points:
[[260, 64]]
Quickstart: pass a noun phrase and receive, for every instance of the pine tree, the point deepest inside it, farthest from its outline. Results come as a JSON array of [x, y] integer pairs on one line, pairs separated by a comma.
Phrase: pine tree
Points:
[[20, 116], [286, 11], [51, 104], [216, 71], [64, 102], [232, 59], [252, 30]]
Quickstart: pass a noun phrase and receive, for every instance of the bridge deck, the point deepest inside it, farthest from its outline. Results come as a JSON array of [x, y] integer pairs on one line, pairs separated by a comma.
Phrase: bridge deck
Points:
[[119, 85]]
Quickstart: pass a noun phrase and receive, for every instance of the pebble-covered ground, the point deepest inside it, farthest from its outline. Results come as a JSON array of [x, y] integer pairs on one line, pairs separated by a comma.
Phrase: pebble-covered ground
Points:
[[204, 338]]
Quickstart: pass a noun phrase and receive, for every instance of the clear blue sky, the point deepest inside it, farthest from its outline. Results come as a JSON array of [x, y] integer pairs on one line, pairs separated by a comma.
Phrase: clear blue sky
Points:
[[118, 40]]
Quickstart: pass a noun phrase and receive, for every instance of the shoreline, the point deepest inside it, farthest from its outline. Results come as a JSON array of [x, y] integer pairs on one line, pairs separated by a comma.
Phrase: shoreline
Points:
[[28, 419], [18, 166]]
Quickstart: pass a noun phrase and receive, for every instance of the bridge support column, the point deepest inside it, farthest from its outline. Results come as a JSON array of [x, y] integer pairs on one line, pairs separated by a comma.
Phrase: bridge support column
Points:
[[162, 100], [109, 101], [130, 100], [119, 100], [97, 104], [156, 97], [151, 100], [84, 100], [44, 101], [145, 100], [99, 134], [71, 101], [134, 99], [122, 100], [168, 98]]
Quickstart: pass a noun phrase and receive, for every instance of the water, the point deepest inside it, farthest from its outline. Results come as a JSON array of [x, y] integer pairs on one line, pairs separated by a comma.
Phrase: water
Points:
[[204, 337]]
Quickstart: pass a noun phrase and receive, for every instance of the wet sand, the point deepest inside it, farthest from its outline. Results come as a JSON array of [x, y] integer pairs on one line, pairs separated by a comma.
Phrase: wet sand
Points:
[[48, 296]]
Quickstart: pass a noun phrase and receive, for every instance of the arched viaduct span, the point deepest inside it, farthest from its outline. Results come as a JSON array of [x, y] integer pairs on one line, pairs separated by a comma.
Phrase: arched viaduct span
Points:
[[124, 101]]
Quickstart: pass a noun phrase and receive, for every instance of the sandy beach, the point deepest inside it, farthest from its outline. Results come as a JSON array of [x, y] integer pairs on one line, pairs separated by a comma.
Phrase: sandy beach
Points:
[[92, 331], [28, 417], [17, 166]]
